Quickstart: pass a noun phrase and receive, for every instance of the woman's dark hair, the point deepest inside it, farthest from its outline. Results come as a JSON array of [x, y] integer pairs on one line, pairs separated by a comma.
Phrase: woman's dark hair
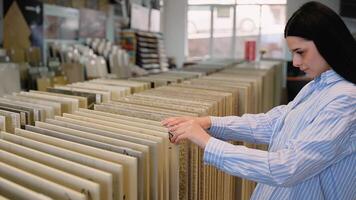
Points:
[[318, 23]]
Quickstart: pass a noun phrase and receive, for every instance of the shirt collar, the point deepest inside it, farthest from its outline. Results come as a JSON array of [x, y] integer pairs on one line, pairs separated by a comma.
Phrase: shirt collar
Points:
[[328, 77]]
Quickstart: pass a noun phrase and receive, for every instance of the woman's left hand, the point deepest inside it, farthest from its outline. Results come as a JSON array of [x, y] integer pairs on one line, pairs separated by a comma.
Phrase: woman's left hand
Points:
[[190, 130]]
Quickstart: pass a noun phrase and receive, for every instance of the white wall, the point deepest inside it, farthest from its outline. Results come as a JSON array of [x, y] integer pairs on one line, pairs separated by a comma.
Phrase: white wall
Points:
[[293, 5], [174, 20], [351, 24]]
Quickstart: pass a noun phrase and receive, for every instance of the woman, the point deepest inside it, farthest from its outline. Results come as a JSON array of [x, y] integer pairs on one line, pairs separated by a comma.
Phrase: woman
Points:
[[312, 140]]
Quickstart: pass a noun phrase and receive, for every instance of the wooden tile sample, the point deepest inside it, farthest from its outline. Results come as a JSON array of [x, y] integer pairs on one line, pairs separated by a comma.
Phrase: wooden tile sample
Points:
[[12, 120], [104, 179], [129, 163], [115, 169], [13, 190], [89, 188], [94, 141], [37, 183]]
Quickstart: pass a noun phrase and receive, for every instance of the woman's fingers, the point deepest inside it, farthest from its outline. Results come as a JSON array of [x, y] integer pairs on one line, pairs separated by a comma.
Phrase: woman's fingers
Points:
[[172, 129], [182, 125], [172, 121], [190, 130], [181, 129], [179, 138], [166, 122], [176, 134]]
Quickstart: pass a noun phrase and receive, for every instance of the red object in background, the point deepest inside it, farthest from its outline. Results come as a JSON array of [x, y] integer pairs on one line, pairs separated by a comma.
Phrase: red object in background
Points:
[[250, 50]]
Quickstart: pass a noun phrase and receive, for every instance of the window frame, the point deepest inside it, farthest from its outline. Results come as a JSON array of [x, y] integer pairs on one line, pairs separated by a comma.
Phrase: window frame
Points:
[[234, 36]]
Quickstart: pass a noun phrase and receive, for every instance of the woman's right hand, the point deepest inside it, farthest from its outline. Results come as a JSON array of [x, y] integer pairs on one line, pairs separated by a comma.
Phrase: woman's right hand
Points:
[[203, 122]]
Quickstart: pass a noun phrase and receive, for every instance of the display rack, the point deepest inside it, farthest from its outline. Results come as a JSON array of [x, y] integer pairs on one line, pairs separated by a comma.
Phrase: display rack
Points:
[[146, 49]]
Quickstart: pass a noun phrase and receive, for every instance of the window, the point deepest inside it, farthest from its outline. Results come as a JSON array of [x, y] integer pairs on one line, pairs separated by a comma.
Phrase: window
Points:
[[223, 18], [199, 31], [247, 27], [272, 28], [209, 2], [219, 29]]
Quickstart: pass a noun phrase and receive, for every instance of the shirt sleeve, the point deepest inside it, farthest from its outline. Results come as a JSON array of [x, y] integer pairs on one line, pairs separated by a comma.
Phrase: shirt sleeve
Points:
[[252, 128], [330, 138]]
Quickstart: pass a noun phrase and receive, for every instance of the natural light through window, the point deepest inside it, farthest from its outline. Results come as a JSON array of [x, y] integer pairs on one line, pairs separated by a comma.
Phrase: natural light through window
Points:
[[219, 29]]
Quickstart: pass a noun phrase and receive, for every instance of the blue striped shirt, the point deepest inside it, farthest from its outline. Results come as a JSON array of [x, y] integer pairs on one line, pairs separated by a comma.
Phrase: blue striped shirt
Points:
[[312, 144]]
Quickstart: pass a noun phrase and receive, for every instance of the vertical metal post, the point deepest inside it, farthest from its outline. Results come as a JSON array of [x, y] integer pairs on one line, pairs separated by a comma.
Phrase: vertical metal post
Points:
[[258, 45], [211, 43], [233, 41]]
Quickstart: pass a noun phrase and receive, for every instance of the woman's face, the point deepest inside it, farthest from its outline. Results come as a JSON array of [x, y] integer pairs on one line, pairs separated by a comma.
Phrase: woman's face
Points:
[[306, 56]]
